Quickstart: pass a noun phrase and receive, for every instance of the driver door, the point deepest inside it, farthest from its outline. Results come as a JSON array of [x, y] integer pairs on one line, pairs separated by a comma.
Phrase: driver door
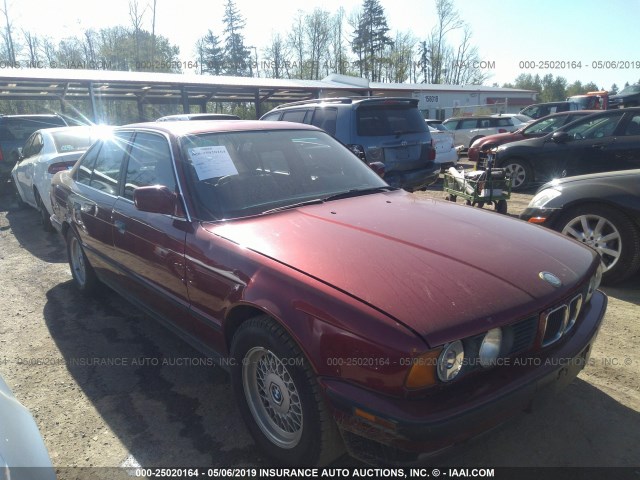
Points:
[[589, 148]]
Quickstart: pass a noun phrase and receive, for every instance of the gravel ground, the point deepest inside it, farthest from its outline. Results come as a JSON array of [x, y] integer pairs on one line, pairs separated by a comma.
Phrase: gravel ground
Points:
[[162, 414]]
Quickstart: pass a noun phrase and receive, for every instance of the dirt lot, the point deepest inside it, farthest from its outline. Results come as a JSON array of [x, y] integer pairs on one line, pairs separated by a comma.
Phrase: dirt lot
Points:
[[144, 412]]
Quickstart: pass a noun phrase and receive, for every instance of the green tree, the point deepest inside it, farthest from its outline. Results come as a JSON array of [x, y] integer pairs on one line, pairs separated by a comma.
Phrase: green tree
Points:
[[553, 89], [237, 55], [211, 54], [371, 38]]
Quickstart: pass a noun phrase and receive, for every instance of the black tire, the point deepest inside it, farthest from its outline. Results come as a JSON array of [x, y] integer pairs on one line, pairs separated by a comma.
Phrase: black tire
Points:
[[310, 436], [616, 238], [45, 220], [474, 139], [84, 277], [520, 172], [451, 198], [501, 207], [17, 196]]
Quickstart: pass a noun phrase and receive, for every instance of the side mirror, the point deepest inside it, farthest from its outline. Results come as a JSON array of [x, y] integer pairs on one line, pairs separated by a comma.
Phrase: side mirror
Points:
[[560, 137], [378, 167], [155, 199]]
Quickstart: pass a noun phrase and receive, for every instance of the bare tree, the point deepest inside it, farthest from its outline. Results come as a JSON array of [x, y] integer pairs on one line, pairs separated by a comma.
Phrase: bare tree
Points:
[[136, 15], [296, 42], [33, 47], [463, 67], [317, 34], [275, 55], [399, 56], [153, 36], [338, 56], [10, 48]]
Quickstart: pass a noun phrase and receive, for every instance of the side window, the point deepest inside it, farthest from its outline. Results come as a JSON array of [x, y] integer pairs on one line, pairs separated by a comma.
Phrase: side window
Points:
[[27, 150], [106, 170], [83, 172], [272, 116], [466, 124], [294, 116], [633, 127], [595, 127], [38, 143], [504, 122], [325, 118], [149, 164]]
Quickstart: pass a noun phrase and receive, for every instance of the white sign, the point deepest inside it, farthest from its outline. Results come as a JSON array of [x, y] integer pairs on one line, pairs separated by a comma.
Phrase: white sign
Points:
[[212, 162]]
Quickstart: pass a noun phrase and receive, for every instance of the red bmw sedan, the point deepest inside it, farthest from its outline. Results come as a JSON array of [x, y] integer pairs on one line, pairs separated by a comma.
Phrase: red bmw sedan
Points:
[[352, 316]]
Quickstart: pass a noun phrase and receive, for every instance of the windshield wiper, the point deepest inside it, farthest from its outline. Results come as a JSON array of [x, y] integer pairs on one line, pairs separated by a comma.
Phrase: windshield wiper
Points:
[[356, 192], [336, 196], [295, 205]]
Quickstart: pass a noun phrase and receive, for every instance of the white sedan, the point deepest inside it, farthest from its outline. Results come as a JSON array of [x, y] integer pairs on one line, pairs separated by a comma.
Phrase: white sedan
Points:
[[443, 142], [44, 153]]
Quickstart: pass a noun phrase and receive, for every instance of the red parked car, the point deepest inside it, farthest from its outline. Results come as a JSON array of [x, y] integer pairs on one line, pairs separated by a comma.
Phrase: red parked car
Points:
[[347, 311], [541, 127]]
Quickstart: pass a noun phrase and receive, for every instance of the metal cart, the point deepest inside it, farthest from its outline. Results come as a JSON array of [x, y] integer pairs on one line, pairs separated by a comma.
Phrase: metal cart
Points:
[[491, 186]]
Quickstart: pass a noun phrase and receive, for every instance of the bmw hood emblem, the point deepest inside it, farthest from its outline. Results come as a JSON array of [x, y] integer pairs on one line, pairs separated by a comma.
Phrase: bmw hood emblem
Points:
[[550, 278]]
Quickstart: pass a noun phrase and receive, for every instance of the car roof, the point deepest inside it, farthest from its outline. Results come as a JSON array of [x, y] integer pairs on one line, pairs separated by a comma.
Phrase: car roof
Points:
[[348, 101], [205, 126], [34, 115], [198, 116], [73, 128]]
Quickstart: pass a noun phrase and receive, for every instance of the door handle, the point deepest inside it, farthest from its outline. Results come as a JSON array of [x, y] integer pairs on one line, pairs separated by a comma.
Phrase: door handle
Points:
[[120, 226]]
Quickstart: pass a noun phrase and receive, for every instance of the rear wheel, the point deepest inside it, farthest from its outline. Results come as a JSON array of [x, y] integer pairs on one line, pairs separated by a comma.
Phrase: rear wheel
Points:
[[16, 194], [44, 214], [279, 396], [83, 274], [611, 233], [501, 206]]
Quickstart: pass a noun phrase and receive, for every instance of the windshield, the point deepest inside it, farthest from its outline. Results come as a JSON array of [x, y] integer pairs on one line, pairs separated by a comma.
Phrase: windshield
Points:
[[630, 89], [239, 174], [546, 125]]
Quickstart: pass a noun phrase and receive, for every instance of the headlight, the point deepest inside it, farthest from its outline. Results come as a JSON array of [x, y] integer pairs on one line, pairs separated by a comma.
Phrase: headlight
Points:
[[490, 348], [544, 197], [450, 361], [594, 283]]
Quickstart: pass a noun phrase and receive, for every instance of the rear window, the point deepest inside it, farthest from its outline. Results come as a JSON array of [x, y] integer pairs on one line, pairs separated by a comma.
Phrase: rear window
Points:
[[378, 121], [72, 141], [19, 129]]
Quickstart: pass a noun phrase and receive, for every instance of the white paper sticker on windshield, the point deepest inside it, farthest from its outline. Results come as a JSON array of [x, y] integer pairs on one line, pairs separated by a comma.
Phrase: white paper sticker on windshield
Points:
[[212, 162]]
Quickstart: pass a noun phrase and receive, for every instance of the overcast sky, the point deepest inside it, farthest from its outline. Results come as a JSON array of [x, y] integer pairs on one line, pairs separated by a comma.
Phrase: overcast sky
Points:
[[506, 33]]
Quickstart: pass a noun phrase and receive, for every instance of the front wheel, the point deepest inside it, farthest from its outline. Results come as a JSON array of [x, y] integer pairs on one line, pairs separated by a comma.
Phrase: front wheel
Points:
[[279, 396], [519, 171], [610, 233]]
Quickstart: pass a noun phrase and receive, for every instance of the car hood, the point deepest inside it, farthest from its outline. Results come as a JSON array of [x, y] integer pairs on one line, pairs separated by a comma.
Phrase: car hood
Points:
[[500, 138], [443, 270], [534, 142]]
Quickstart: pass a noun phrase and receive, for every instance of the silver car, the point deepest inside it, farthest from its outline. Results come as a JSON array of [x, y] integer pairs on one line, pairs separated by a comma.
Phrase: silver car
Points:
[[467, 130], [23, 455]]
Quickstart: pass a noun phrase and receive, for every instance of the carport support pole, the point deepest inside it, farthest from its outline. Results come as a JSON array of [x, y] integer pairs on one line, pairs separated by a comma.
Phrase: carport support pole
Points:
[[92, 99], [256, 97], [185, 100]]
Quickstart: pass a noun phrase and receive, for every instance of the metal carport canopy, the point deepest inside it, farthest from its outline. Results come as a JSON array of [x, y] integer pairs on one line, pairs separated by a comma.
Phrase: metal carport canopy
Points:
[[163, 88]]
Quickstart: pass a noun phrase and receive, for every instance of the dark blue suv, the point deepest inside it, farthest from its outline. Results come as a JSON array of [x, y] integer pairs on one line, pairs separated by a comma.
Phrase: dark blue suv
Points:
[[387, 130]]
